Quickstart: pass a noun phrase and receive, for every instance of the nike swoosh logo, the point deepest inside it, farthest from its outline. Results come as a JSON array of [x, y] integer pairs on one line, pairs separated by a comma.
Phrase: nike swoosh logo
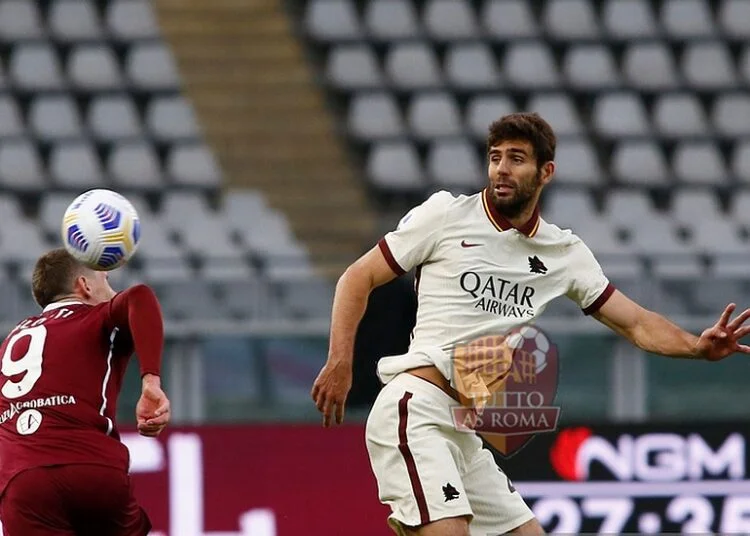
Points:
[[466, 244]]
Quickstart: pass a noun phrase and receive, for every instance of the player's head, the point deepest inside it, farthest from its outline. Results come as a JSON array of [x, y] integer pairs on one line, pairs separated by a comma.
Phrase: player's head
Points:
[[521, 152], [57, 275]]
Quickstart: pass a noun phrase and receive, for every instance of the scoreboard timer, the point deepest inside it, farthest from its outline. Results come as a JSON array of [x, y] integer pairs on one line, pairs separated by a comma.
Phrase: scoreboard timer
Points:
[[637, 479]]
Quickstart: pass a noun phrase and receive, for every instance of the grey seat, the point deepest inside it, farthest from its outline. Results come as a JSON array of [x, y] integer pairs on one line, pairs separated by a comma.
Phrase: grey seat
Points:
[[484, 109], [570, 19], [353, 67], [740, 207], [679, 115], [651, 169], [94, 67], [530, 65], [113, 118], [35, 67], [152, 66], [391, 19], [691, 205], [509, 19], [705, 233], [171, 118], [450, 19], [687, 18], [395, 166], [734, 18], [75, 165], [413, 66], [650, 66], [193, 164], [731, 114], [625, 208], [433, 115], [658, 236], [708, 65], [472, 66], [177, 204], [629, 19], [332, 20], [135, 165], [740, 161], [20, 19], [455, 164], [11, 121], [131, 19], [577, 163], [21, 167], [699, 163], [569, 208], [559, 111], [620, 114], [55, 117], [374, 116], [590, 66], [74, 20], [249, 299], [744, 64]]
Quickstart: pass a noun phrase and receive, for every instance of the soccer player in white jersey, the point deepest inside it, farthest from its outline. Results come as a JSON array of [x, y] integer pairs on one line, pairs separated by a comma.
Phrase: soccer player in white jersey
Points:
[[412, 442]]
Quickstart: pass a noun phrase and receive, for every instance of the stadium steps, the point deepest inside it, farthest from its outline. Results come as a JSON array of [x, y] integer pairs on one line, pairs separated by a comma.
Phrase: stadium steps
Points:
[[267, 121]]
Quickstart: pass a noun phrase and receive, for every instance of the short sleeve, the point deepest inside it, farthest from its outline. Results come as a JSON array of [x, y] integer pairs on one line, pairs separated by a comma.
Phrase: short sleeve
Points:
[[414, 239], [589, 287]]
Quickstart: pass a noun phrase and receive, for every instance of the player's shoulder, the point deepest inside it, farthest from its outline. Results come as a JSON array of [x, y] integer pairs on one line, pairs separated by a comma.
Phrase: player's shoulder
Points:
[[450, 202], [552, 234]]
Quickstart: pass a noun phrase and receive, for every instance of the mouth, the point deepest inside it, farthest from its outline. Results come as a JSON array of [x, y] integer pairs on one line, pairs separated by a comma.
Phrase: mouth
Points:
[[503, 189]]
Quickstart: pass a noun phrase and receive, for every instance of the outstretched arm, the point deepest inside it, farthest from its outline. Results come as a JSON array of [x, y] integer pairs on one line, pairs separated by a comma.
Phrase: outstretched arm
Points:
[[654, 333], [353, 289]]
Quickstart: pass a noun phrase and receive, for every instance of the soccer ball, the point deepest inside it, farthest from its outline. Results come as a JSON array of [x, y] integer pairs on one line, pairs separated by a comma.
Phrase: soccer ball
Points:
[[534, 341], [101, 229]]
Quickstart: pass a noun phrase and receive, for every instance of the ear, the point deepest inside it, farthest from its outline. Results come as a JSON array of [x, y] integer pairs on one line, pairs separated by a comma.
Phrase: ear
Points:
[[548, 171], [81, 287]]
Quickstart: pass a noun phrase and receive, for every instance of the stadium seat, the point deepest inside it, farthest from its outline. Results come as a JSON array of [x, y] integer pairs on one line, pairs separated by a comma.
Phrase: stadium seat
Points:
[[679, 115], [705, 232], [131, 19], [20, 20], [54, 117], [650, 66], [734, 18], [530, 65], [3, 80], [74, 20], [193, 164], [112, 118], [35, 67], [353, 67], [577, 163], [566, 208], [395, 166], [509, 19], [658, 236], [629, 19], [483, 110], [241, 206], [471, 66], [176, 205], [94, 68], [626, 207], [171, 119], [690, 206], [413, 66], [699, 163], [744, 64], [740, 161], [152, 67], [389, 20], [590, 67], [455, 164], [433, 115], [570, 19], [11, 122], [740, 207], [450, 19], [640, 163], [559, 110], [75, 164], [687, 18], [708, 65], [374, 116], [21, 167], [620, 114], [332, 20], [731, 114], [135, 165]]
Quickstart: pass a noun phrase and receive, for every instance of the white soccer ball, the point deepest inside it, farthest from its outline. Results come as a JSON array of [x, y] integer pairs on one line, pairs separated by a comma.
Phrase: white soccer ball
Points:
[[101, 229], [540, 343]]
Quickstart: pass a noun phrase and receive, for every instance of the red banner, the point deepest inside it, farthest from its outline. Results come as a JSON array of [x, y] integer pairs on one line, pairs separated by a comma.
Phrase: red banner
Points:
[[257, 481]]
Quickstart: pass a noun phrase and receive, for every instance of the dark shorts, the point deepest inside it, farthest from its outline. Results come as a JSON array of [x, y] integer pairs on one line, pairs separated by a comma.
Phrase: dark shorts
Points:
[[72, 500]]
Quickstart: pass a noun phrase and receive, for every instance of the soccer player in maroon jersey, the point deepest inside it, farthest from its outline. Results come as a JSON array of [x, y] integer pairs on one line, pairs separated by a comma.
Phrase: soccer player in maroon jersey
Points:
[[63, 469]]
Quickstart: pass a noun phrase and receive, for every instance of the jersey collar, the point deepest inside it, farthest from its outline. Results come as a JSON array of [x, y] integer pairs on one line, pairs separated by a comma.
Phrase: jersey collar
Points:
[[501, 224], [56, 305]]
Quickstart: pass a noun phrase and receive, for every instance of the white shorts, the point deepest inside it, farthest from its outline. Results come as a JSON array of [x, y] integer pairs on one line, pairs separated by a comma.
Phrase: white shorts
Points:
[[427, 470]]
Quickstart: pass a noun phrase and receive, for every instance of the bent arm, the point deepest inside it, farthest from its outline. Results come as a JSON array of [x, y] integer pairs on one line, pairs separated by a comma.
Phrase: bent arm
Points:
[[646, 329], [350, 301], [137, 309]]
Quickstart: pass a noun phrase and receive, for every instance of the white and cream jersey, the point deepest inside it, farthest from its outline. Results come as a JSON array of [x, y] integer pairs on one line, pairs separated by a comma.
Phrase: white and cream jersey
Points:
[[477, 274]]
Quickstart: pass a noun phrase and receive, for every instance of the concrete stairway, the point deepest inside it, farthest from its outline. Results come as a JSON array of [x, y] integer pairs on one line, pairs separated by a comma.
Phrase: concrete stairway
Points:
[[261, 111]]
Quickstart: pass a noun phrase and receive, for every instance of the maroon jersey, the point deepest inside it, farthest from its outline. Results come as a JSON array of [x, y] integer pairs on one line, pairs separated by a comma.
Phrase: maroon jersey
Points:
[[60, 377]]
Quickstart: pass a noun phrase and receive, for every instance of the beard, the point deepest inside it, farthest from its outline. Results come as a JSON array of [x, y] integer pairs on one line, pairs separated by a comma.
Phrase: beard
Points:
[[523, 195]]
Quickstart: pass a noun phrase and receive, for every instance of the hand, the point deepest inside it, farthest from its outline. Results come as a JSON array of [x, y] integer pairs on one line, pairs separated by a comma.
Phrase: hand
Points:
[[722, 339], [330, 390], [152, 410]]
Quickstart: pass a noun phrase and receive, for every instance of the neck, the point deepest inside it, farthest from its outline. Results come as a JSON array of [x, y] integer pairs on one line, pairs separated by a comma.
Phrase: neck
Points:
[[522, 217]]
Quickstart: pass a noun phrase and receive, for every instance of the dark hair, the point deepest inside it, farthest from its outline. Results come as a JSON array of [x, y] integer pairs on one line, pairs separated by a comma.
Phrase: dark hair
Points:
[[527, 127], [54, 274]]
